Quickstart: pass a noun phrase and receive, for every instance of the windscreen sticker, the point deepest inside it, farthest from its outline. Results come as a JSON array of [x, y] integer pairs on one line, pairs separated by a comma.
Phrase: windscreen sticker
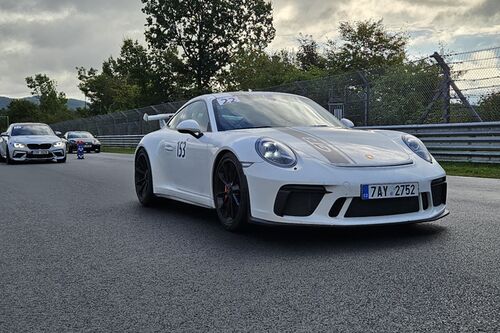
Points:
[[227, 100], [17, 127]]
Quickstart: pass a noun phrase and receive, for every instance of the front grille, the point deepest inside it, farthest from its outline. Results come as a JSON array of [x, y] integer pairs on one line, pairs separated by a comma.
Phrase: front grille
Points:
[[29, 155], [381, 207], [439, 190], [39, 146], [298, 200]]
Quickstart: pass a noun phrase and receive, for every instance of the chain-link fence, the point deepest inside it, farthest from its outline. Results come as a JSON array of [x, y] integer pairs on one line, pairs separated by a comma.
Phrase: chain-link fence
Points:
[[123, 122], [456, 87]]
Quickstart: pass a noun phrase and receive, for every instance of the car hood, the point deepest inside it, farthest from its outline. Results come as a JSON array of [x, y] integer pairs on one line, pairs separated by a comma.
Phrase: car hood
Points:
[[85, 140], [35, 139], [342, 147]]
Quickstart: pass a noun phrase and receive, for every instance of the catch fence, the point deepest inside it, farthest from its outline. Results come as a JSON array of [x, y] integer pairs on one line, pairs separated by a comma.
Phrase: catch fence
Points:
[[450, 88]]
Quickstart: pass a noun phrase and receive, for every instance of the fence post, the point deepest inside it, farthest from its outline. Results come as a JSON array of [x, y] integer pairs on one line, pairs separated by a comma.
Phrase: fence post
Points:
[[445, 92]]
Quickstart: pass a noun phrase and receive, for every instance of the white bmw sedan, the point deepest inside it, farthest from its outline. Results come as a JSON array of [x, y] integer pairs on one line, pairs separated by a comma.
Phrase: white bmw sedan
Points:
[[31, 142], [277, 158]]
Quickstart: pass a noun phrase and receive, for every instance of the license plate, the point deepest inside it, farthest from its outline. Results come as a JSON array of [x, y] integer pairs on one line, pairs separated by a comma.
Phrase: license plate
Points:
[[382, 191], [39, 152], [88, 146]]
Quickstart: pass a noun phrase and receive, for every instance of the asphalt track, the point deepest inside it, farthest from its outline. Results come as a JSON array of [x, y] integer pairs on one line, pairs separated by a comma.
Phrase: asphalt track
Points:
[[78, 253]]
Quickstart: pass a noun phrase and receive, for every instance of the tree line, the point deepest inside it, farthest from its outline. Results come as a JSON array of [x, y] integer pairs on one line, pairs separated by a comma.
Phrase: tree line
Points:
[[196, 47]]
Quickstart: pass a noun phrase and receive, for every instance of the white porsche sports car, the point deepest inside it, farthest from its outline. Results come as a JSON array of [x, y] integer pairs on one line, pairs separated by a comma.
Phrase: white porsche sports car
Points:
[[283, 159]]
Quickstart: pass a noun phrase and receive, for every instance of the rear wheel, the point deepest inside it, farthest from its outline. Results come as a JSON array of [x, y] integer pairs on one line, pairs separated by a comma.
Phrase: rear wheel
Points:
[[144, 179], [231, 193]]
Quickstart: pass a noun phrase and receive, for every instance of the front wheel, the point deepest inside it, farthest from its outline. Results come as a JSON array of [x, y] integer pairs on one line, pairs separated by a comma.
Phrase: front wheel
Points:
[[144, 179], [231, 193], [8, 160], [62, 160]]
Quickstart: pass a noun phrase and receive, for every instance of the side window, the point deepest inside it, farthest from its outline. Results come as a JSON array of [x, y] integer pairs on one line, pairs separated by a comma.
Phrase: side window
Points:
[[197, 111]]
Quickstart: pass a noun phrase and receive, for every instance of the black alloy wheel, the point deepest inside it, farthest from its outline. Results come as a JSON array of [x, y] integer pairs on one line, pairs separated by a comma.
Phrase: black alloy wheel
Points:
[[231, 193], [144, 179]]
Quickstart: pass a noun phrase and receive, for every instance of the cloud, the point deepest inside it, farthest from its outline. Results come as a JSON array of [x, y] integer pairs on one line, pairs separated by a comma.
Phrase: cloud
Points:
[[55, 36]]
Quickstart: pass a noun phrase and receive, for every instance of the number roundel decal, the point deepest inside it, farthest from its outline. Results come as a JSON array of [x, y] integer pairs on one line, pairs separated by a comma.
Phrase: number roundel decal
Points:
[[181, 149]]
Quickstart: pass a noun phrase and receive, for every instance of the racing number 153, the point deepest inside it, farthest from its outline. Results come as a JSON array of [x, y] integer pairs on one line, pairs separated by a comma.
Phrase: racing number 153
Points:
[[181, 149]]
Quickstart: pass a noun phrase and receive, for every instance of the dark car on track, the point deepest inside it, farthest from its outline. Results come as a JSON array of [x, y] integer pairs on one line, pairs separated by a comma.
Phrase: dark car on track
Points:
[[89, 141]]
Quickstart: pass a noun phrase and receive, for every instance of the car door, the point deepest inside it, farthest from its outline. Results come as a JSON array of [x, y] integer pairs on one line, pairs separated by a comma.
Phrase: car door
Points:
[[190, 156]]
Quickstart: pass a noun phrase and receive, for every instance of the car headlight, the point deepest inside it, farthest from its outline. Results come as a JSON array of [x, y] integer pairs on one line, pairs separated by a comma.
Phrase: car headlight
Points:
[[96, 142], [417, 147], [276, 152], [19, 145], [58, 144], [72, 141]]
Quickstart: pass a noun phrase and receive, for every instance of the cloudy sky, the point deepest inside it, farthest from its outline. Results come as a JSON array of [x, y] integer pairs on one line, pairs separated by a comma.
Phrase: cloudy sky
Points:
[[55, 36]]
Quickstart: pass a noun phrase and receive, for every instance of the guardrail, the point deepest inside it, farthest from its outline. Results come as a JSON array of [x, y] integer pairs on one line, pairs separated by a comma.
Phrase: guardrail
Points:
[[464, 142], [120, 140]]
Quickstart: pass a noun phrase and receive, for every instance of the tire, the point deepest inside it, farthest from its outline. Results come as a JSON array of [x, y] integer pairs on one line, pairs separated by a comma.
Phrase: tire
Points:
[[63, 160], [70, 150], [231, 197], [143, 179], [97, 151], [7, 157], [1, 158]]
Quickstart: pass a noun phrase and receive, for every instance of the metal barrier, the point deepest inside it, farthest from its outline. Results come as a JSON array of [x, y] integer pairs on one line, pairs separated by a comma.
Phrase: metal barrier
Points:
[[464, 142], [120, 140]]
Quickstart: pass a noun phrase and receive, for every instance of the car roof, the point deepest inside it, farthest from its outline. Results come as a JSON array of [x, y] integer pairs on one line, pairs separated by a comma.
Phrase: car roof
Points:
[[229, 93], [24, 124]]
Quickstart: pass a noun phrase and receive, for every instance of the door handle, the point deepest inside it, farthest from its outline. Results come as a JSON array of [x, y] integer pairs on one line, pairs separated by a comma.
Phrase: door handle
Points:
[[169, 147]]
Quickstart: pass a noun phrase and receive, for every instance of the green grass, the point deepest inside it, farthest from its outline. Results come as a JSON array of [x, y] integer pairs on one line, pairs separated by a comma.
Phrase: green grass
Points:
[[484, 170], [118, 150]]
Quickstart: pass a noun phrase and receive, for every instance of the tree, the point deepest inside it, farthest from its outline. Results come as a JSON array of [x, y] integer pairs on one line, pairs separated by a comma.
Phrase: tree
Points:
[[259, 70], [364, 45], [107, 91], [21, 110], [489, 107], [308, 55], [136, 78], [401, 94], [52, 103], [208, 33]]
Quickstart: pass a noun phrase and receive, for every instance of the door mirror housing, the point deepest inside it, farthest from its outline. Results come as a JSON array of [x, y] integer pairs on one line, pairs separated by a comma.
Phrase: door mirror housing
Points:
[[347, 122], [58, 133], [190, 126], [4, 134]]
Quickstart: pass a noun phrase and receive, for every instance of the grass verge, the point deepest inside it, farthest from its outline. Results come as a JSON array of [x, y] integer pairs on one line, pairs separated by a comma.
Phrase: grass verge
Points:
[[484, 170], [118, 150]]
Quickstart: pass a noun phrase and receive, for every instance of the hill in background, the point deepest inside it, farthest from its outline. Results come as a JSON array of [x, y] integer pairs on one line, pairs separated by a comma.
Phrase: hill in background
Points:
[[73, 104]]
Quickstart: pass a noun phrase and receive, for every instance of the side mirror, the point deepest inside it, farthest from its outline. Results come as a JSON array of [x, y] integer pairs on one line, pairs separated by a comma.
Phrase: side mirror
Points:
[[58, 133], [190, 126], [5, 134], [347, 122]]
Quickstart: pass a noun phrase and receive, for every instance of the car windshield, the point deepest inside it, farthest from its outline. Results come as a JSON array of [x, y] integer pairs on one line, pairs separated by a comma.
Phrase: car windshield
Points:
[[239, 111], [18, 130], [75, 135]]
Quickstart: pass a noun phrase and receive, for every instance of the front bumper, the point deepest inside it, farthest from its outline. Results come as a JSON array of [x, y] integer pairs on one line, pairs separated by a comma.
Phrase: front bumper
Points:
[[26, 154], [340, 204], [91, 147]]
